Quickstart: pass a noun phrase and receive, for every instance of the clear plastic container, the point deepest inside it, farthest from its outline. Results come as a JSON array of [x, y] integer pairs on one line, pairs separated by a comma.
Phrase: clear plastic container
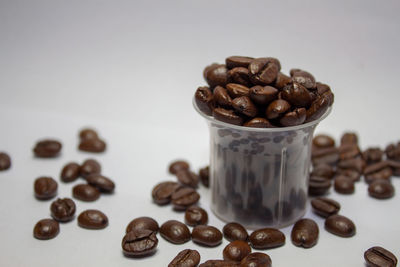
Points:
[[259, 176]]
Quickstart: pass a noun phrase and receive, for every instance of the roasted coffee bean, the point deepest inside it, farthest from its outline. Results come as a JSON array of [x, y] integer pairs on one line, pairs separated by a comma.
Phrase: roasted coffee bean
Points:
[[282, 80], [239, 75], [319, 106], [88, 133], [228, 116], [85, 192], [236, 250], [47, 148], [304, 78], [324, 170], [322, 88], [293, 118], [258, 123], [101, 182], [46, 229], [349, 138], [263, 95], [243, 105], [277, 108], [325, 207], [323, 141], [305, 233], [221, 97], [206, 235], [204, 100], [237, 61], [63, 210], [379, 257], [184, 197], [372, 155], [204, 174], [357, 164], [237, 90], [142, 223], [195, 216], [186, 258], [45, 188], [393, 151], [188, 178], [70, 172], [178, 165], [352, 174], [318, 185], [216, 74], [297, 95], [220, 263], [264, 71], [381, 189], [235, 231], [175, 232], [395, 165], [256, 259], [94, 145], [340, 225], [267, 238], [380, 170], [88, 167], [163, 191], [5, 161], [139, 243], [349, 151], [92, 219], [329, 155], [344, 185]]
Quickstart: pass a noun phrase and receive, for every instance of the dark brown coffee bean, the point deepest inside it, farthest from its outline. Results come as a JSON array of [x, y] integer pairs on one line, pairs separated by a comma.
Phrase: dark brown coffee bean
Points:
[[352, 174], [323, 141], [88, 167], [297, 95], [216, 74], [293, 118], [393, 151], [237, 90], [372, 155], [204, 174], [163, 191], [235, 231], [175, 232], [379, 257], [85, 192], [88, 133], [305, 233], [324, 170], [357, 164], [221, 97], [139, 243], [219, 263], [256, 259], [304, 78], [344, 185], [45, 188], [206, 235], [186, 258], [5, 161], [195, 216], [372, 168], [349, 139], [70, 172], [381, 189], [142, 223], [258, 123], [237, 61], [325, 207], [282, 80], [188, 178], [228, 116], [380, 170], [236, 250], [178, 165], [184, 197], [239, 75], [94, 145], [243, 105], [47, 148], [329, 155], [63, 210], [318, 185], [104, 184], [277, 108], [349, 151], [319, 106], [204, 100], [46, 229], [322, 88], [395, 165], [264, 71], [92, 219], [267, 238], [340, 225], [263, 95]]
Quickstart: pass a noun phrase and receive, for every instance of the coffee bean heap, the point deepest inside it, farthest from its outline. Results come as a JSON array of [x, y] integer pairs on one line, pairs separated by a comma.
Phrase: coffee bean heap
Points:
[[253, 92]]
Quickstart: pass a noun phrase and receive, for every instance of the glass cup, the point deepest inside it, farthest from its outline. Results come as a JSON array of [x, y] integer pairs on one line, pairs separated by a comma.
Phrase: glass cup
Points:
[[259, 176]]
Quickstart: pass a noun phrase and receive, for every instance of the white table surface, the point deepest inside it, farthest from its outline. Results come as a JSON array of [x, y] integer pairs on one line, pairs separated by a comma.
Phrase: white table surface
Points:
[[130, 68]]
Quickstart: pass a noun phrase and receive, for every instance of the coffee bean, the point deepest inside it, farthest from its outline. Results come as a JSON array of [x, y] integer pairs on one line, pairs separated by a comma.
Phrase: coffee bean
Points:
[[372, 155], [304, 78], [70, 172], [219, 263], [189, 178], [322, 88], [5, 161], [379, 257], [323, 141], [92, 219], [318, 107], [175, 232], [349, 138], [46, 229], [263, 95], [349, 151], [243, 105], [88, 167], [256, 259], [102, 183], [267, 238], [239, 75], [305, 233], [258, 123], [85, 192], [216, 74], [293, 118], [206, 235], [204, 100], [228, 116], [163, 191], [264, 71], [47, 148], [357, 164], [323, 170], [352, 174], [340, 225], [282, 80], [344, 185], [221, 97], [186, 258], [195, 216], [277, 108], [381, 189], [236, 250], [88, 133], [395, 165], [142, 223], [238, 61], [139, 243], [237, 90], [178, 165], [45, 188], [318, 185], [329, 155], [235, 231], [204, 174], [184, 197], [94, 145], [297, 95], [63, 210], [325, 207]]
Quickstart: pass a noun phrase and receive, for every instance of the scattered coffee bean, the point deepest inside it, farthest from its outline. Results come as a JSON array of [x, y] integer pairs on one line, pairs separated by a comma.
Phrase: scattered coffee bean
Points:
[[228, 116], [175, 232], [305, 233], [85, 192], [318, 185], [47, 148], [236, 250], [340, 225], [323, 141], [178, 165], [92, 145], [328, 155], [235, 231], [186, 258], [206, 235], [142, 223], [139, 243], [256, 259], [381, 189], [45, 188], [237, 90], [395, 165], [216, 74], [184, 197], [324, 170], [372, 155], [163, 191], [237, 61], [349, 138], [189, 178], [88, 167], [46, 229], [344, 185], [325, 207], [92, 219], [204, 174], [357, 164], [5, 161], [102, 183], [63, 209], [267, 238], [379, 257], [350, 151], [70, 172], [380, 170], [220, 263], [195, 216], [88, 133], [204, 100]]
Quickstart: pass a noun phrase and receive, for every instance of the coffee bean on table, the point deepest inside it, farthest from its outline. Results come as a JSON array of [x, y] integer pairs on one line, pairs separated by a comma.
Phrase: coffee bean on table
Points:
[[372, 155], [220, 263], [236, 250], [340, 225], [381, 189], [235, 231], [175, 232], [357, 164], [46, 229], [323, 141], [5, 161], [206, 235], [94, 145], [395, 165], [63, 209], [328, 155], [142, 223], [204, 100], [344, 185], [195, 216], [204, 174], [163, 191], [92, 219], [392, 151], [350, 151], [45, 188], [186, 258], [177, 166], [324, 170], [256, 259], [184, 197], [88, 167], [379, 257], [324, 206], [318, 185], [228, 116], [187, 177], [139, 243], [349, 138], [102, 183], [70, 172], [380, 170], [267, 238], [47, 148], [85, 192], [352, 174], [237, 61], [88, 133], [305, 233]]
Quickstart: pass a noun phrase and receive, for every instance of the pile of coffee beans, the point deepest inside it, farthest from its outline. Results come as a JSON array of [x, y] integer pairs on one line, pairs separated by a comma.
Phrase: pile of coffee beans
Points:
[[253, 92]]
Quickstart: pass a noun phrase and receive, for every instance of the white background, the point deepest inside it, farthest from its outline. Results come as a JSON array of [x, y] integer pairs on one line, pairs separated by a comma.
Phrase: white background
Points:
[[130, 68]]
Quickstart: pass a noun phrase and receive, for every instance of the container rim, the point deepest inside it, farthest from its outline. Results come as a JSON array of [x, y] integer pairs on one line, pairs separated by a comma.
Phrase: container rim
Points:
[[261, 130]]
